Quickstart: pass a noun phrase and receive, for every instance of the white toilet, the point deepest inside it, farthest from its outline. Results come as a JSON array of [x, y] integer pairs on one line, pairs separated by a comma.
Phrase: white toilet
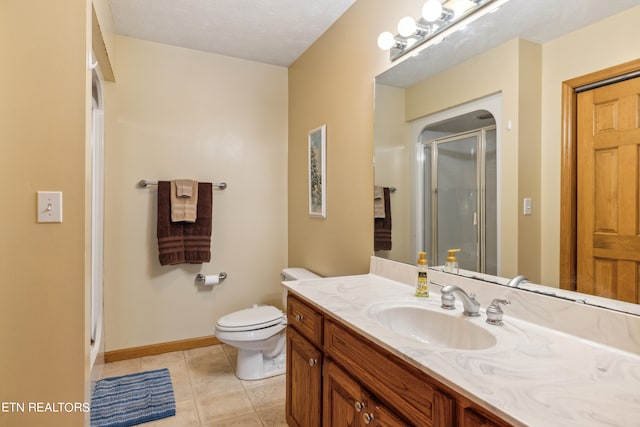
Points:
[[259, 334]]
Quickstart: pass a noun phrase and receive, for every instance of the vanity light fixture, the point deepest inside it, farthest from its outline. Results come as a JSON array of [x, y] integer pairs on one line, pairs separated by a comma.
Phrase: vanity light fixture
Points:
[[437, 16]]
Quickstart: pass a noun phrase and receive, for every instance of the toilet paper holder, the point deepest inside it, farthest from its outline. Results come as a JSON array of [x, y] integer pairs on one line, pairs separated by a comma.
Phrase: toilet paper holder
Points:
[[202, 277]]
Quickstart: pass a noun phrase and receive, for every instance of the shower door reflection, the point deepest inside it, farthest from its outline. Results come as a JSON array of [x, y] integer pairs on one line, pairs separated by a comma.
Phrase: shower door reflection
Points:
[[459, 201]]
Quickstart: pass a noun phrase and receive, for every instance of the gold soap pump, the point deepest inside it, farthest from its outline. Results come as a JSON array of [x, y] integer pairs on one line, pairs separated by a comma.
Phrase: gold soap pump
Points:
[[451, 265]]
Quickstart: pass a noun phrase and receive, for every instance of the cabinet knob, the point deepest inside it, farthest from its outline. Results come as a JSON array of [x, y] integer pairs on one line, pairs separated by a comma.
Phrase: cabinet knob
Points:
[[359, 406], [313, 362], [367, 417], [299, 317]]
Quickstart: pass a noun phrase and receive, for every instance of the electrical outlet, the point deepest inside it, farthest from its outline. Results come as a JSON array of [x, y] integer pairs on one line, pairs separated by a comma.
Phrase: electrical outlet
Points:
[[49, 206]]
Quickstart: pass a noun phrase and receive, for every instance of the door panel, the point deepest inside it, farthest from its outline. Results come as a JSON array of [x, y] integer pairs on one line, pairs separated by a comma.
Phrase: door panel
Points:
[[304, 381], [458, 217], [342, 398], [608, 185]]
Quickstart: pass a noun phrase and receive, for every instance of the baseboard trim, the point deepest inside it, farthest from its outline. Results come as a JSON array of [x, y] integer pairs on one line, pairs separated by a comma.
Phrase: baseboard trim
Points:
[[153, 349]]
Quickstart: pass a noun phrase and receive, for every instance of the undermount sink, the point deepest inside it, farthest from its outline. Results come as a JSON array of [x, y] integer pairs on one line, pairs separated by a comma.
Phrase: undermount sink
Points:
[[428, 324]]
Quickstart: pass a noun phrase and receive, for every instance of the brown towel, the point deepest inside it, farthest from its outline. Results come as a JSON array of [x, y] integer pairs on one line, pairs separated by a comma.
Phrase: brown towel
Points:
[[382, 226], [197, 235], [180, 242]]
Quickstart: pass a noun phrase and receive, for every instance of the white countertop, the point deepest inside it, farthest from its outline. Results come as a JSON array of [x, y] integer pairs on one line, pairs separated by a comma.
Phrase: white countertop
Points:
[[533, 376]]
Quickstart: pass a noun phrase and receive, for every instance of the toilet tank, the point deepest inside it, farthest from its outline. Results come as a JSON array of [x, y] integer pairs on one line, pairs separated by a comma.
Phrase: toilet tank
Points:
[[289, 274]]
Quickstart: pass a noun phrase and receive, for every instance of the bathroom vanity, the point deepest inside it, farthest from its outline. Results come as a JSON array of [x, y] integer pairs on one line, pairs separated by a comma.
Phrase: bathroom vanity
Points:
[[363, 350], [379, 388]]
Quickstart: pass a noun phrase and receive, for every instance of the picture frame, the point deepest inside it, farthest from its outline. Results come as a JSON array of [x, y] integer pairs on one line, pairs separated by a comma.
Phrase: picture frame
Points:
[[317, 157]]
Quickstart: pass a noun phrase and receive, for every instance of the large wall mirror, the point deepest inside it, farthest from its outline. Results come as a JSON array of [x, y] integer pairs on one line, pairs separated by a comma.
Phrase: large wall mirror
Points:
[[462, 137]]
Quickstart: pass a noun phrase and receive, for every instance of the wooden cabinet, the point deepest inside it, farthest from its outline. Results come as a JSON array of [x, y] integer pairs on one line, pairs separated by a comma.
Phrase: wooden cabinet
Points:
[[304, 381], [347, 404], [471, 418], [305, 319], [336, 377], [405, 388]]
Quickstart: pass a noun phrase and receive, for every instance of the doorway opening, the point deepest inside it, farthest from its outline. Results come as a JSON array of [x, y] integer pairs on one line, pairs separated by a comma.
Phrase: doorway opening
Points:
[[97, 213]]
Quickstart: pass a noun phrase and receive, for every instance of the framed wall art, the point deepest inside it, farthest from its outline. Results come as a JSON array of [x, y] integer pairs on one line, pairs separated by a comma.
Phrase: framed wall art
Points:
[[318, 172]]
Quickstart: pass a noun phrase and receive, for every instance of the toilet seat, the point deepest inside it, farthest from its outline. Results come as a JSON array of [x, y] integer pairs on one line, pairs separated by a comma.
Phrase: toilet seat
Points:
[[249, 319]]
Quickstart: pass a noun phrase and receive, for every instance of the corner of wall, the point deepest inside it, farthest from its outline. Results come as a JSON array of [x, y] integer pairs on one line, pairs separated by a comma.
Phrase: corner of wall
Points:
[[529, 158], [102, 37]]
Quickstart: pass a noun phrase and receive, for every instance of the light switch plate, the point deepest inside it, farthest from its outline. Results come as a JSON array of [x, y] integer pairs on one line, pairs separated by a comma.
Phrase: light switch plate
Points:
[[49, 206], [526, 206]]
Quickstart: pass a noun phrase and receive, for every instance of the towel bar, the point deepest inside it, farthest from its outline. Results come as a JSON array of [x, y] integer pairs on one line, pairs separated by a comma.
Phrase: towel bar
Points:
[[144, 183]]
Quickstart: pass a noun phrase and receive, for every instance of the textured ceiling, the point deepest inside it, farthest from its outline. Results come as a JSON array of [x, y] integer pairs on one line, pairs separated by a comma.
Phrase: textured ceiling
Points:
[[279, 31], [270, 31]]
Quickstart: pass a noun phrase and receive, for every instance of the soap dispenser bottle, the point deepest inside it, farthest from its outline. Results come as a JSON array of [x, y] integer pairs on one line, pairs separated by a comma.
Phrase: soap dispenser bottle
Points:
[[451, 266], [422, 281]]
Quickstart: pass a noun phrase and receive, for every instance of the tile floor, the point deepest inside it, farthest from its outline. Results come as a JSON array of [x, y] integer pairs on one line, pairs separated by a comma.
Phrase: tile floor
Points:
[[208, 393]]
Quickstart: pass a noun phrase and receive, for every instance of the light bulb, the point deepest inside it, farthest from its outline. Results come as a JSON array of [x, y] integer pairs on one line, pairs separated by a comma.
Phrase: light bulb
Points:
[[407, 26], [386, 40], [431, 10]]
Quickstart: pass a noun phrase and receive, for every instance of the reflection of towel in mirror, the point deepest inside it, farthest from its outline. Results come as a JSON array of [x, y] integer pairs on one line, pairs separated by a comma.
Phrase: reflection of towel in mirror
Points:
[[184, 242], [184, 200], [378, 202], [382, 226]]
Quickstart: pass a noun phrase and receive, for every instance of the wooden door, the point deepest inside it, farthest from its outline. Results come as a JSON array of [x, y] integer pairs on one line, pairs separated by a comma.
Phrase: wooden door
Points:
[[304, 381], [342, 398], [471, 418], [608, 183], [347, 404], [378, 415]]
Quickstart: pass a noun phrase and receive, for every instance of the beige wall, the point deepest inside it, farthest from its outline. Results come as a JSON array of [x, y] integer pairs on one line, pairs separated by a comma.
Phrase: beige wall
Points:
[[605, 44], [44, 84], [179, 113], [332, 83]]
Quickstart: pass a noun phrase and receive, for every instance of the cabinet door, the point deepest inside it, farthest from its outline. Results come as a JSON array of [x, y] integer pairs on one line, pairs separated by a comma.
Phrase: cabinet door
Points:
[[471, 418], [346, 404], [304, 381], [380, 416], [401, 386], [342, 398]]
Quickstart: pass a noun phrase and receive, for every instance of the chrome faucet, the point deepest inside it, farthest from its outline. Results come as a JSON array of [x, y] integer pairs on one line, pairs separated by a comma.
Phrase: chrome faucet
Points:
[[471, 305], [516, 281], [494, 312]]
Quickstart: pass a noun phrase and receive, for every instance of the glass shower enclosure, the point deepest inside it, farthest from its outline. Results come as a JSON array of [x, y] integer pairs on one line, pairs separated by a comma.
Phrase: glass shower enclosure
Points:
[[459, 212]]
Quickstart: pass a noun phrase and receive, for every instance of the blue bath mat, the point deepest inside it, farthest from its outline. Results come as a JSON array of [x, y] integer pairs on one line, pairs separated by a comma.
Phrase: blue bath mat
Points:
[[132, 399]]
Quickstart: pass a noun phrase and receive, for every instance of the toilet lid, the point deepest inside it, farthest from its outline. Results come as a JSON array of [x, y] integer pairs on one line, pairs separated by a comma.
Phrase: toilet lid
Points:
[[255, 317]]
